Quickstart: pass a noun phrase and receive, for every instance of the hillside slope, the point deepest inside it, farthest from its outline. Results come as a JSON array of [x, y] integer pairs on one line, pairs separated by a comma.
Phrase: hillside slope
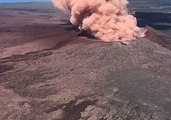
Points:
[[49, 71]]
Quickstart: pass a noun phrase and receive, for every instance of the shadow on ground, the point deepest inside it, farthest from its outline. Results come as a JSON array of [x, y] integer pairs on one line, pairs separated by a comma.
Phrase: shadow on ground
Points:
[[159, 21]]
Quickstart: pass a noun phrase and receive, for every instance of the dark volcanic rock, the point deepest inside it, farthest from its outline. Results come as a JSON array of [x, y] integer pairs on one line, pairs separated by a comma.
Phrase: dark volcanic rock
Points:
[[48, 72]]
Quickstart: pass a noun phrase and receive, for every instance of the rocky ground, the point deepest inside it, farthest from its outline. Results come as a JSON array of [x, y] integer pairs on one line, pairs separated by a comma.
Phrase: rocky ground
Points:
[[50, 71]]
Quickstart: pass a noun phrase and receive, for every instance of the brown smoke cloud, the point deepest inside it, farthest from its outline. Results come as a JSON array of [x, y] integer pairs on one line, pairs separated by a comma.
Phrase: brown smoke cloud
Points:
[[107, 20]]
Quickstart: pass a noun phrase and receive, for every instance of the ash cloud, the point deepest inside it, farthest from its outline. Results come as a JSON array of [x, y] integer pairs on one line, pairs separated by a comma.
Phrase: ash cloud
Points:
[[107, 20]]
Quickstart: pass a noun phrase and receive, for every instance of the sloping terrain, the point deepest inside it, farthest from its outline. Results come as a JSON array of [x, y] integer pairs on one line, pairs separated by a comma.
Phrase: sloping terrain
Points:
[[50, 71]]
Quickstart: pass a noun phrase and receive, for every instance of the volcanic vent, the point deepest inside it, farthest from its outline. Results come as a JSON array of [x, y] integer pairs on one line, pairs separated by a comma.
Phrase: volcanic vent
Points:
[[107, 20]]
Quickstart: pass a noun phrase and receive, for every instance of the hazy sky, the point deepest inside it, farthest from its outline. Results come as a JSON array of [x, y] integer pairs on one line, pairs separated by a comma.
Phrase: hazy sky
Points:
[[12, 1]]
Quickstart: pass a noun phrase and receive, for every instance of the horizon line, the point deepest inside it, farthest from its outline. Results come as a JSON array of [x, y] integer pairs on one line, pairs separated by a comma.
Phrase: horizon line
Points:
[[25, 2]]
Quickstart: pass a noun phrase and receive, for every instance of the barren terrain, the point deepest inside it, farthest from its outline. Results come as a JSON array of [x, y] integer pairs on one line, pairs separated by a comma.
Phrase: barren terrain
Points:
[[51, 71]]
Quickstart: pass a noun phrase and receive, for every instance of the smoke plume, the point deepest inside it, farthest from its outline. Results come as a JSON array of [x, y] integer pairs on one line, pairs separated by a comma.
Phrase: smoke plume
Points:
[[107, 20]]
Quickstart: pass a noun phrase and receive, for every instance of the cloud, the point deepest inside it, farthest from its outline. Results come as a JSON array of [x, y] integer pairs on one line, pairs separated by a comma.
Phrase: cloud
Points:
[[107, 20]]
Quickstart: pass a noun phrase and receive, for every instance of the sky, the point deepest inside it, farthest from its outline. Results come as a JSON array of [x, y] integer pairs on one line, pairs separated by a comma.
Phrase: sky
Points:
[[13, 1]]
